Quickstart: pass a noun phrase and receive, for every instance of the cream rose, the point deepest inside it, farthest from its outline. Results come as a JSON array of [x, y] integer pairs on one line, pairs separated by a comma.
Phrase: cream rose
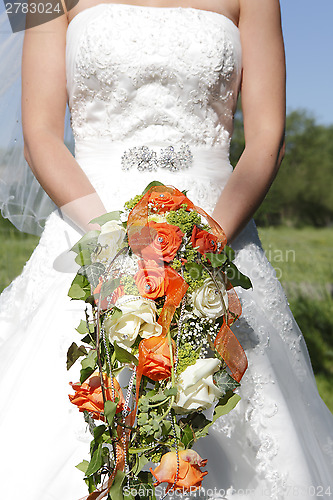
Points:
[[196, 388], [207, 300], [111, 239], [138, 318]]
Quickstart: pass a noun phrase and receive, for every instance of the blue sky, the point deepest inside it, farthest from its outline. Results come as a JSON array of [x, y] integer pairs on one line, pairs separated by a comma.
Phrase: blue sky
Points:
[[308, 33]]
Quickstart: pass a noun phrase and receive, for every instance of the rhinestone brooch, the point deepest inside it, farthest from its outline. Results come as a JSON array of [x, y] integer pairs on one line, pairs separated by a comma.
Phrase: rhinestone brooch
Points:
[[147, 160]]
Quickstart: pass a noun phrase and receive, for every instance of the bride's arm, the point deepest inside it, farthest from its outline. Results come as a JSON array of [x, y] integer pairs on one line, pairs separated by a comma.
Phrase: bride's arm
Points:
[[44, 98], [263, 104]]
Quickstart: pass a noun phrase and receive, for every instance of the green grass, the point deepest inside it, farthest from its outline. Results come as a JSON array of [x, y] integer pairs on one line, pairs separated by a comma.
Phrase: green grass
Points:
[[15, 249], [303, 260]]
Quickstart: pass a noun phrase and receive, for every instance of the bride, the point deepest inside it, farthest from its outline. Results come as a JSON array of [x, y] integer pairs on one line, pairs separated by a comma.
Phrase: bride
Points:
[[157, 74]]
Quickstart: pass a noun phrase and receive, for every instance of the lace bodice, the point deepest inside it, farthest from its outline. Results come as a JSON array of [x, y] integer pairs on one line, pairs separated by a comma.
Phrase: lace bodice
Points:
[[137, 74]]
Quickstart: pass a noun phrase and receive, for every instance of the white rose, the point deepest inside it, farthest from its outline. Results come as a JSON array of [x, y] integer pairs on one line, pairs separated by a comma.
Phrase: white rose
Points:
[[196, 388], [207, 300], [138, 318], [111, 239]]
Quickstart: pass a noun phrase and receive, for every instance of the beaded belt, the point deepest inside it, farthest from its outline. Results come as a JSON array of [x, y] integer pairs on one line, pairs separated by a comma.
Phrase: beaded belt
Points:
[[146, 159]]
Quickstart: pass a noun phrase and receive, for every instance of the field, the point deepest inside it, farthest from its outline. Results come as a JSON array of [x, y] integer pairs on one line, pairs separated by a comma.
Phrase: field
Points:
[[303, 260]]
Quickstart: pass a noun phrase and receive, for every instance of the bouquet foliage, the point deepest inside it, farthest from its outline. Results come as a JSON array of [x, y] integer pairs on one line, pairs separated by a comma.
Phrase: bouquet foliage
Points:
[[157, 349]]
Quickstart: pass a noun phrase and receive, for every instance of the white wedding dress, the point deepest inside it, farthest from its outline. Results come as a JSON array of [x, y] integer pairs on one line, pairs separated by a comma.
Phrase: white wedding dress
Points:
[[145, 76]]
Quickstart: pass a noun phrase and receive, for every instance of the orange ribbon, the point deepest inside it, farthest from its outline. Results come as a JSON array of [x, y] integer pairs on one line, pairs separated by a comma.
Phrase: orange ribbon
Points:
[[226, 342]]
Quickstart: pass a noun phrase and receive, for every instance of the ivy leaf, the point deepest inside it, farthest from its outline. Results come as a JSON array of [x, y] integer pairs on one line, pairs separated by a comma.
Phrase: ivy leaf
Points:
[[74, 353], [106, 218], [171, 392], [124, 356], [109, 287], [141, 461], [188, 436], [83, 466], [87, 242], [92, 272], [83, 258], [194, 270], [237, 278], [116, 490], [88, 366], [216, 259], [229, 252], [82, 328], [96, 462], [80, 288], [152, 184], [110, 408], [98, 432], [225, 382], [224, 406]]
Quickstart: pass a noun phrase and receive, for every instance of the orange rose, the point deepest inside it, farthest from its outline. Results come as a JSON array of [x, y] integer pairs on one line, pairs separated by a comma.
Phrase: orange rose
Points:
[[206, 241], [154, 357], [155, 281], [88, 396], [164, 201], [189, 475], [107, 301], [167, 240]]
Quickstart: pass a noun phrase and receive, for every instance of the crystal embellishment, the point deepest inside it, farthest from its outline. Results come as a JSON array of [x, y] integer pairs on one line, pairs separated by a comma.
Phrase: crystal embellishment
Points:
[[147, 160]]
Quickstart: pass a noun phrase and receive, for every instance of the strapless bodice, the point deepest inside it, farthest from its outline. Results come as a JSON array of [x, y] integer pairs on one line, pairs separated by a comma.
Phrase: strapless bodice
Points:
[[142, 75]]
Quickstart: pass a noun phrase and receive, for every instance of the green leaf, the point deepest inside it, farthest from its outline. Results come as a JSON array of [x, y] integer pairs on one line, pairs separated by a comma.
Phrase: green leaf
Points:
[[225, 382], [82, 328], [216, 259], [98, 432], [237, 278], [110, 408], [88, 365], [171, 392], [90, 360], [83, 258], [106, 218], [85, 373], [109, 287], [229, 252], [152, 184], [194, 269], [141, 461], [80, 288], [92, 272], [187, 436], [124, 356], [134, 451], [224, 406], [96, 462], [74, 353], [87, 242], [116, 490], [83, 466]]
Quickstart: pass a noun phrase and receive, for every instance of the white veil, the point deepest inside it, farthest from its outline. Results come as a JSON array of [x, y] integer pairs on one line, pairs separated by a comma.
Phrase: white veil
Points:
[[22, 200]]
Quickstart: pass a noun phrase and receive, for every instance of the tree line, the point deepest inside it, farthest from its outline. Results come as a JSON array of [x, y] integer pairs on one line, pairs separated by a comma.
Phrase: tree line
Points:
[[302, 192]]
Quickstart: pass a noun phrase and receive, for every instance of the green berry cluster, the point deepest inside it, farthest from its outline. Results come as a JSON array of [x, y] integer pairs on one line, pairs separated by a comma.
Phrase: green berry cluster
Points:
[[186, 356], [130, 204], [129, 285], [194, 283], [183, 219]]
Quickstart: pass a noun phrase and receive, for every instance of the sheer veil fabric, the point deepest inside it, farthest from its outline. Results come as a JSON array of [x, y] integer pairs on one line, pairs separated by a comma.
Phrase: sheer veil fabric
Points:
[[182, 90]]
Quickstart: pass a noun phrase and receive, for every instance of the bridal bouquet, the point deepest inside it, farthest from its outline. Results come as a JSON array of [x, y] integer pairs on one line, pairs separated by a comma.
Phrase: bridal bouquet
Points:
[[157, 349]]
